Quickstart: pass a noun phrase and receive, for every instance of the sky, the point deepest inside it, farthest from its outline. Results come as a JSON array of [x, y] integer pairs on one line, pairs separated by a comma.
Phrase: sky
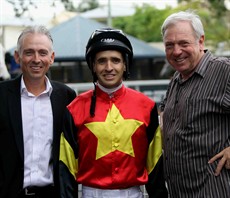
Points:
[[44, 9], [45, 12], [160, 4]]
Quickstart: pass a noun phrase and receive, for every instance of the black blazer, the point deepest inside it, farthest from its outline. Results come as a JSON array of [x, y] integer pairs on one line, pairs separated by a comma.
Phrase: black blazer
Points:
[[11, 135]]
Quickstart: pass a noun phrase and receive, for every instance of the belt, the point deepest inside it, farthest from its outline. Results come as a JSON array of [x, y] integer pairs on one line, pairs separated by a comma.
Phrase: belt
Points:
[[37, 191]]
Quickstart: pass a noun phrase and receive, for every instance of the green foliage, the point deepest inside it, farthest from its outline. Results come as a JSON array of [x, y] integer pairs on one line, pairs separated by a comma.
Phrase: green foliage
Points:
[[68, 5], [146, 23], [22, 6], [86, 5]]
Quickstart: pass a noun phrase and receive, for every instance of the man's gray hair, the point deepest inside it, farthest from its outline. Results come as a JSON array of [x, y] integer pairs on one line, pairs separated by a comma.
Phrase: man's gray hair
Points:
[[32, 30], [188, 15]]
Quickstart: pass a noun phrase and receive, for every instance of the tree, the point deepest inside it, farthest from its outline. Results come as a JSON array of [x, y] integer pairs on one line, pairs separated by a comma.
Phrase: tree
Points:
[[146, 23], [218, 6], [22, 6], [87, 5]]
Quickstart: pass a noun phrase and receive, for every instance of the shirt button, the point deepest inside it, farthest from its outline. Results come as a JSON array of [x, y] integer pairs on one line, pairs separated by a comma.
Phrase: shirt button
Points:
[[116, 145], [116, 170]]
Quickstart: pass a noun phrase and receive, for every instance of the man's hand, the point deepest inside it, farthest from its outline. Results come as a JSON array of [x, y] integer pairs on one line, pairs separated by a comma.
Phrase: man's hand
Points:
[[224, 161]]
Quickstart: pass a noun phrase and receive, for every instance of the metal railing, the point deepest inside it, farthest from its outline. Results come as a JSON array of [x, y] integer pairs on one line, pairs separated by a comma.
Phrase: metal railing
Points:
[[155, 89]]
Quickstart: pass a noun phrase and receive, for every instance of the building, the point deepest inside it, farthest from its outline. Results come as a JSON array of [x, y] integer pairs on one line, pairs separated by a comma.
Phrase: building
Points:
[[70, 39]]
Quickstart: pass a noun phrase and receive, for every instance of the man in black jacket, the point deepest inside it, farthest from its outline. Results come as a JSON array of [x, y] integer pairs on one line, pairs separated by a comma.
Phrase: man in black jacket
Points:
[[31, 115]]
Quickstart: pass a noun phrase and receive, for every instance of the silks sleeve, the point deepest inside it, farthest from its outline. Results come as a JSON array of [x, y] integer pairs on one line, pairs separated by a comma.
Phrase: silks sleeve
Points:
[[156, 186], [68, 158]]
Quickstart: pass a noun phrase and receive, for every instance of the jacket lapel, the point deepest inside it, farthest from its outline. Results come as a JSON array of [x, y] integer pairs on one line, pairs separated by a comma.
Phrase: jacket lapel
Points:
[[14, 100], [56, 102]]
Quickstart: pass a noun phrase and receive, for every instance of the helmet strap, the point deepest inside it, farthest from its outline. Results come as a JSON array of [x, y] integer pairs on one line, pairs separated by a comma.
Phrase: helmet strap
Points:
[[93, 102], [126, 73]]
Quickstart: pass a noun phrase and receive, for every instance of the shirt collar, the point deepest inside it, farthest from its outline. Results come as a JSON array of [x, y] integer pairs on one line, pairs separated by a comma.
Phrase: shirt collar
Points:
[[109, 91], [48, 90], [201, 67]]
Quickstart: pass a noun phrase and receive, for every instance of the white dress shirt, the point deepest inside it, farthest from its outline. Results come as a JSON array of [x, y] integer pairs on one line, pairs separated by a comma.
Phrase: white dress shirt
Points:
[[37, 122]]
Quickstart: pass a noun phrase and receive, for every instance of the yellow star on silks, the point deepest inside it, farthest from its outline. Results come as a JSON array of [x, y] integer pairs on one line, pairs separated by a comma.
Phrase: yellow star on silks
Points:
[[114, 133]]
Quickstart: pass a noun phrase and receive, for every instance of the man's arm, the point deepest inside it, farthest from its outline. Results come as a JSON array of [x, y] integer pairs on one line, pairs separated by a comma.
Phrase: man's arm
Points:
[[68, 159], [156, 186]]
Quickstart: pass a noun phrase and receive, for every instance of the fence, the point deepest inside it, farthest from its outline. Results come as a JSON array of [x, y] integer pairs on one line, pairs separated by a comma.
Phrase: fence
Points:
[[155, 89]]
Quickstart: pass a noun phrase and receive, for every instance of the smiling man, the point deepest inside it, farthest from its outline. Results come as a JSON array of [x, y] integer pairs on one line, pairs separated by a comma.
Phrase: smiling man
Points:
[[31, 114], [113, 131], [196, 113]]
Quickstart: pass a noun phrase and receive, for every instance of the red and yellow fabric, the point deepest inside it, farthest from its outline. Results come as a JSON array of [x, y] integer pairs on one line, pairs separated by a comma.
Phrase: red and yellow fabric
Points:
[[118, 148]]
